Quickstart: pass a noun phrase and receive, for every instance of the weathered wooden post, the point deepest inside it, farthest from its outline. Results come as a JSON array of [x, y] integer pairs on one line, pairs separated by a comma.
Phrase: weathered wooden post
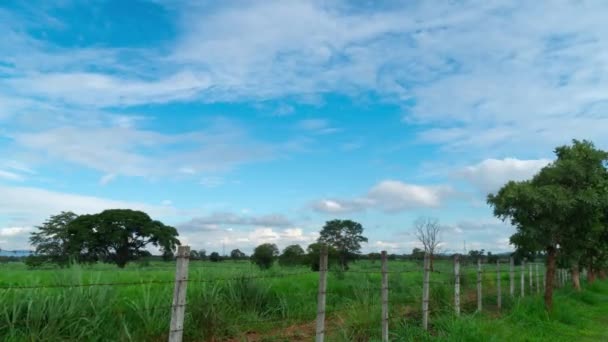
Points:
[[512, 277], [479, 275], [457, 284], [498, 289], [320, 334], [178, 308], [384, 298], [537, 279], [425, 292], [531, 278], [523, 279]]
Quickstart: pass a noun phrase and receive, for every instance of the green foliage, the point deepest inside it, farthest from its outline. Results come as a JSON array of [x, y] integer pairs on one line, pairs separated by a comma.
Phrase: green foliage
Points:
[[117, 236], [215, 257], [52, 238], [345, 236], [563, 208], [236, 254], [35, 261], [313, 256], [292, 255], [264, 255]]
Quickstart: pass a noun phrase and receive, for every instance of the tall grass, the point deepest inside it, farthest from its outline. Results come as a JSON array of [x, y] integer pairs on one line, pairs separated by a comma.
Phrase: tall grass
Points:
[[278, 308]]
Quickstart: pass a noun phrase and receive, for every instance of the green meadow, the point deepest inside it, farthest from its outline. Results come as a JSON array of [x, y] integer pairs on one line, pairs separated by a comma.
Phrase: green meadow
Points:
[[235, 301]]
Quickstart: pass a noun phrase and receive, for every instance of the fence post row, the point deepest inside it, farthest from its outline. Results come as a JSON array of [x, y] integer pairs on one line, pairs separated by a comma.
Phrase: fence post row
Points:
[[320, 334], [178, 309], [457, 284], [384, 297], [512, 277], [425, 292], [498, 289], [479, 299]]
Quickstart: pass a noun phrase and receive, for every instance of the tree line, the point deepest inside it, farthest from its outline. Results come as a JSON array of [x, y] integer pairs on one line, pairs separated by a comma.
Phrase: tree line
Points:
[[561, 213]]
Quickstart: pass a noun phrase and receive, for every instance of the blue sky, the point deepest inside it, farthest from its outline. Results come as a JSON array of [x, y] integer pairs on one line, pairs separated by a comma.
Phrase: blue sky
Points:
[[243, 122]]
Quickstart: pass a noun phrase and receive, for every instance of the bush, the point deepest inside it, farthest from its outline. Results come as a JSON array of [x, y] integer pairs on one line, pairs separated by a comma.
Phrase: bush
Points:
[[264, 255], [35, 261]]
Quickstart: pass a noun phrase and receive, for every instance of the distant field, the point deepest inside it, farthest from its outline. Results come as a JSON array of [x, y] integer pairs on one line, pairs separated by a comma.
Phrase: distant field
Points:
[[235, 301]]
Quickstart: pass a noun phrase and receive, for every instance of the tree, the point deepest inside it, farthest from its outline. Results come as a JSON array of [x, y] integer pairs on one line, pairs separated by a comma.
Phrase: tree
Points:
[[202, 254], [215, 257], [292, 255], [562, 209], [194, 255], [168, 255], [236, 254], [417, 254], [117, 236], [345, 236], [313, 256], [51, 239], [427, 232], [264, 255]]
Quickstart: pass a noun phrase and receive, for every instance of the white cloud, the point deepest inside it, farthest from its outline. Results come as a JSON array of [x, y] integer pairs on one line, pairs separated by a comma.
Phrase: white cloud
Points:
[[132, 151], [14, 231], [317, 126], [211, 182], [29, 206], [11, 176], [490, 174], [389, 196], [219, 219], [108, 178]]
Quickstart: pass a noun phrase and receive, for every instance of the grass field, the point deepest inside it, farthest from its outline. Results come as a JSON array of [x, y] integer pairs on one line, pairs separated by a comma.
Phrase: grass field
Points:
[[234, 301]]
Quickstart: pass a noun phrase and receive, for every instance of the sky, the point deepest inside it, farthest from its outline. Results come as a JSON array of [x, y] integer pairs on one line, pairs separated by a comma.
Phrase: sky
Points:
[[245, 122]]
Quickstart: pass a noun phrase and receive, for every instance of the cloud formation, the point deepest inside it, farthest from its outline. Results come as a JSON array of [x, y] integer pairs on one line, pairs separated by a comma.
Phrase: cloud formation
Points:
[[490, 174], [389, 196]]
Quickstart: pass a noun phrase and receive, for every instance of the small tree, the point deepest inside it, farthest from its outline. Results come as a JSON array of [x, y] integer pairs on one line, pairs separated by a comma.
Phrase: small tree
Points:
[[202, 254], [236, 254], [52, 238], [215, 257], [264, 255], [427, 232], [313, 256], [292, 255], [345, 236]]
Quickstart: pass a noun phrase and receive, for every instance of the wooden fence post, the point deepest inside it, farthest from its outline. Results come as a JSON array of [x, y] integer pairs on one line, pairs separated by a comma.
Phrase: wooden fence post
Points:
[[544, 280], [425, 292], [531, 278], [512, 277], [457, 284], [523, 279], [498, 289], [320, 336], [479, 299], [384, 298], [178, 309], [537, 279]]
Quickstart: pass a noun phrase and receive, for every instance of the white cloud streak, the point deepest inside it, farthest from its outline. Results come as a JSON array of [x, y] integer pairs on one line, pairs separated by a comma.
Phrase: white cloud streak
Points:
[[389, 196]]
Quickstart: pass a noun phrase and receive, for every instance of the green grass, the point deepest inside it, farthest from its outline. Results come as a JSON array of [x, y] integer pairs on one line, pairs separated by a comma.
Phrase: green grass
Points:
[[225, 303]]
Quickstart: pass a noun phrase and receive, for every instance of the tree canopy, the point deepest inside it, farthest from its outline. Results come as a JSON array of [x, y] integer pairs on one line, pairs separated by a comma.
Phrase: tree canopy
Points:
[[563, 208], [115, 235], [292, 255], [345, 236], [264, 255]]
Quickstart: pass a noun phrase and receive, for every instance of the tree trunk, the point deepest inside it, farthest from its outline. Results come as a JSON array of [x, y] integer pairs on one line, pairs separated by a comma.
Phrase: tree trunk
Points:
[[550, 278], [432, 257], [590, 275], [576, 277], [602, 274]]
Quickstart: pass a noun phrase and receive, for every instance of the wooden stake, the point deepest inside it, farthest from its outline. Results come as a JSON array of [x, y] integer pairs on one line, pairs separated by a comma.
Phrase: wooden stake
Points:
[[178, 309], [479, 298], [512, 277], [320, 336], [425, 292], [498, 289], [457, 284], [384, 298]]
